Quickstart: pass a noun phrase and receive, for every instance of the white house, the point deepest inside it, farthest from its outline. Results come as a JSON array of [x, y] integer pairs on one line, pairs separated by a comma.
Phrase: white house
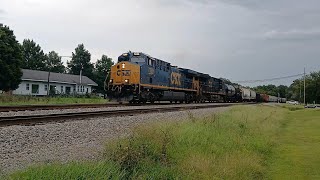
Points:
[[36, 83]]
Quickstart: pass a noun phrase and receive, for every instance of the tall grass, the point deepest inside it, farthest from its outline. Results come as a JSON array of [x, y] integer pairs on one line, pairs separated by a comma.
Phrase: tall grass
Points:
[[236, 144], [233, 145], [33, 100]]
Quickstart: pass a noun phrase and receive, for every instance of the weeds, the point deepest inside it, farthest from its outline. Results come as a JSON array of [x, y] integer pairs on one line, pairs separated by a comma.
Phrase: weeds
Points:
[[236, 144], [29, 100]]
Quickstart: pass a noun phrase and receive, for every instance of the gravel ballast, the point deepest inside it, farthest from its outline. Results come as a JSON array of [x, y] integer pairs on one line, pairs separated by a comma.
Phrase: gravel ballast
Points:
[[61, 111], [84, 139]]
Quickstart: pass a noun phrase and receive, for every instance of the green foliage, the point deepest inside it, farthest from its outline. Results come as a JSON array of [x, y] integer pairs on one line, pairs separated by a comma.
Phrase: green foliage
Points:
[[273, 90], [73, 171], [54, 63], [312, 88], [102, 68], [33, 56], [81, 60], [10, 60], [6, 100]]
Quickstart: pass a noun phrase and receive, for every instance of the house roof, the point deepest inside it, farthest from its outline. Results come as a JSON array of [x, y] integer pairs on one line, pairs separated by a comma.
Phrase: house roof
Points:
[[35, 75]]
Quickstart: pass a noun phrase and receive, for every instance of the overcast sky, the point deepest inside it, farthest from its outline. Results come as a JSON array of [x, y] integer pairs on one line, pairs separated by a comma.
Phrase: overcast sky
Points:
[[235, 39]]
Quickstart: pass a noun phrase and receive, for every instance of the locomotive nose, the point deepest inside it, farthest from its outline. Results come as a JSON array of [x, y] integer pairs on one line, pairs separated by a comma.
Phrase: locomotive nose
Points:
[[125, 73]]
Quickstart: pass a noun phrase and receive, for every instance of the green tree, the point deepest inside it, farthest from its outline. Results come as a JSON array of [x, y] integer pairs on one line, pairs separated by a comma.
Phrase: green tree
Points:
[[267, 89], [296, 89], [313, 87], [33, 56], [81, 60], [54, 63], [102, 68], [283, 91], [10, 60]]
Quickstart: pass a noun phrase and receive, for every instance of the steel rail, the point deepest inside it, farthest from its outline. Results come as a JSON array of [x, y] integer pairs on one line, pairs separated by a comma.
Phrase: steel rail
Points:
[[67, 106]]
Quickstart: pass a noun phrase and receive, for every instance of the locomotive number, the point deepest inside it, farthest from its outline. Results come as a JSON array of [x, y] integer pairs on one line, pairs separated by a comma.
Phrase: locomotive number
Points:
[[176, 79]]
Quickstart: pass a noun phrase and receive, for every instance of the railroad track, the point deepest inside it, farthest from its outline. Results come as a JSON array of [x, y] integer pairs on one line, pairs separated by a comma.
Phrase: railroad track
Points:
[[67, 106], [51, 107], [41, 119]]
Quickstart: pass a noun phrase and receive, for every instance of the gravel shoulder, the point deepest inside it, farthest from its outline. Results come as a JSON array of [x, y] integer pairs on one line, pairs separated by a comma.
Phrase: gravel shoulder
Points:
[[84, 139]]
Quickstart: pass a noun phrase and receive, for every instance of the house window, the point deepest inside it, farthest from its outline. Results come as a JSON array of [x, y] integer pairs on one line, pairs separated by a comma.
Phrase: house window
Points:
[[61, 89], [78, 88], [27, 87], [87, 90], [46, 87]]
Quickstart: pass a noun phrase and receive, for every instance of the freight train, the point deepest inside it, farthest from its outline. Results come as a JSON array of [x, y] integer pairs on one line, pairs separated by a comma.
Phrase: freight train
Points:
[[140, 78]]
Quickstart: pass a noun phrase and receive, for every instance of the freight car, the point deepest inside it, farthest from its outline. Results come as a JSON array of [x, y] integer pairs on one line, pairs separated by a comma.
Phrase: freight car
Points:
[[248, 95], [273, 99]]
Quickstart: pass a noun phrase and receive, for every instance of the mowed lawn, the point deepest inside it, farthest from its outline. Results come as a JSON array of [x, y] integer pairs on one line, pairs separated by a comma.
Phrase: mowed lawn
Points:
[[245, 142], [298, 153]]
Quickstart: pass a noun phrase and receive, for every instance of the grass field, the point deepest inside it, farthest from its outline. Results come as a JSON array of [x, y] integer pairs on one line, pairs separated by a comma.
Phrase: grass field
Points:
[[246, 142], [7, 100]]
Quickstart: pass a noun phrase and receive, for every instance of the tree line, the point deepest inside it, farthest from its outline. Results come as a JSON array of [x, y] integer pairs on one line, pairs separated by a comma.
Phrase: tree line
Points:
[[296, 90], [29, 55]]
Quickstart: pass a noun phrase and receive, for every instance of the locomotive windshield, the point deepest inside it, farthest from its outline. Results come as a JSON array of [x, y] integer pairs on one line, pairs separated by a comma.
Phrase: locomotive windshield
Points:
[[123, 58]]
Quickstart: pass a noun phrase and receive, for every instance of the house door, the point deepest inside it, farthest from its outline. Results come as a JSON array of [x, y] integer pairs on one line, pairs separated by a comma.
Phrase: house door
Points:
[[68, 90], [52, 90], [35, 88]]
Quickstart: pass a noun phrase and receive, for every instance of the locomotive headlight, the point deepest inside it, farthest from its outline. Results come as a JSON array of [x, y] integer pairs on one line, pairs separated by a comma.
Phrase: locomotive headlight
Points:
[[111, 80], [123, 65], [126, 80]]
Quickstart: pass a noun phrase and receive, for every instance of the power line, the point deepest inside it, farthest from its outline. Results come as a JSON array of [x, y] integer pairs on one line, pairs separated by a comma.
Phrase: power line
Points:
[[271, 79]]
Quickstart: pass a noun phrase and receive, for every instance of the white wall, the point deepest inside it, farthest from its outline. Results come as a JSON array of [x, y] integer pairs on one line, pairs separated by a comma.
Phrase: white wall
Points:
[[22, 89]]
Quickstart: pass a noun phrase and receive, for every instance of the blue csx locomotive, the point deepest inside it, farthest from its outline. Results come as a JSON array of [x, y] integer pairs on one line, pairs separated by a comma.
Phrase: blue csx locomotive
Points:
[[138, 77]]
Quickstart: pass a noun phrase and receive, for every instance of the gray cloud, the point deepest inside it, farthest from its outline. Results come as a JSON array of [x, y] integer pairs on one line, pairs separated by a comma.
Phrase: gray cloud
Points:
[[236, 39], [293, 35], [2, 12]]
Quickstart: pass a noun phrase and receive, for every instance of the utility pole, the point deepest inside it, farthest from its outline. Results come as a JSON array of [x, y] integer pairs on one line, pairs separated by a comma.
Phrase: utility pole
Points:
[[304, 77], [81, 77], [300, 97], [48, 85]]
